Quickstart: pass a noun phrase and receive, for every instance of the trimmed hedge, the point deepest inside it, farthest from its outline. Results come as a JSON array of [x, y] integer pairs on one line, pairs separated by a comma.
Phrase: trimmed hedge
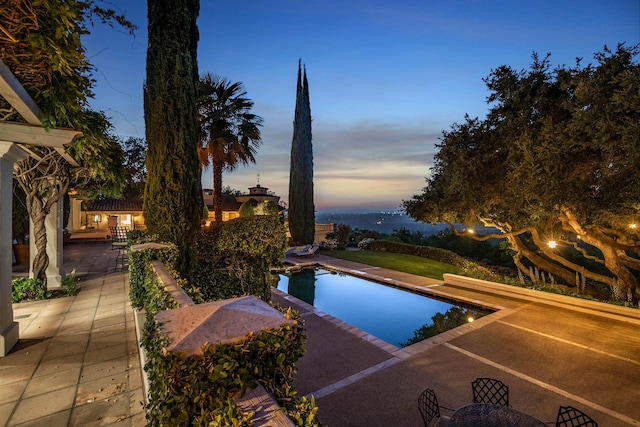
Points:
[[200, 390], [234, 257], [437, 254]]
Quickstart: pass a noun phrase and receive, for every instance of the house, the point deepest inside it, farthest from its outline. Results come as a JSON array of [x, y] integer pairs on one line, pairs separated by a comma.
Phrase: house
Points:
[[98, 215], [231, 208]]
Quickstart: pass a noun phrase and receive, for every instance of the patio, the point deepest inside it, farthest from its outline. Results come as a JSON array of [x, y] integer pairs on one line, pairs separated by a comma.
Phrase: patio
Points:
[[77, 363]]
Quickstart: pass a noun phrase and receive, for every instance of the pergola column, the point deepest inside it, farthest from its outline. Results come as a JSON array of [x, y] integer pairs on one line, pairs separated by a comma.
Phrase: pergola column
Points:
[[53, 225], [9, 154], [54, 248]]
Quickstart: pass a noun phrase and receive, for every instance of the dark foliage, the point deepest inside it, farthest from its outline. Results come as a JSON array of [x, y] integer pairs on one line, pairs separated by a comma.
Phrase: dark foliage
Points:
[[173, 204], [301, 205], [234, 257]]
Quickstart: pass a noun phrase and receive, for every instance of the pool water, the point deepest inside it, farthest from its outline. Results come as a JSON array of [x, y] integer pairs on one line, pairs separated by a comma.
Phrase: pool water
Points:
[[396, 316]]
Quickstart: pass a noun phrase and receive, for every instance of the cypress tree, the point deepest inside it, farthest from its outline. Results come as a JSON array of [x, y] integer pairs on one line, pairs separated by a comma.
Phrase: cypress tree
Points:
[[173, 204], [301, 207]]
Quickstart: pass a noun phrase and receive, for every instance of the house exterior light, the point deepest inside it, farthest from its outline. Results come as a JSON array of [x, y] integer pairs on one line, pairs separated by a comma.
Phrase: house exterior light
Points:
[[552, 244]]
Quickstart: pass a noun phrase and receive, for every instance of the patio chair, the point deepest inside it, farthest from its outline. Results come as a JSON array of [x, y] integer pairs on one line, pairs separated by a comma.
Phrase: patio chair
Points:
[[568, 416], [430, 410], [119, 241], [489, 390], [306, 250]]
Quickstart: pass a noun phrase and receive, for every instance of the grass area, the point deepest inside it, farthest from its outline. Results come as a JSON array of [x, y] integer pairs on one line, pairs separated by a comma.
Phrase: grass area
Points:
[[407, 263]]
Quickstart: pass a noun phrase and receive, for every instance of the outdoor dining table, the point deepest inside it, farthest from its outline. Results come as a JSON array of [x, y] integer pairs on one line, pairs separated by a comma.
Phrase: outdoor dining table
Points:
[[489, 415]]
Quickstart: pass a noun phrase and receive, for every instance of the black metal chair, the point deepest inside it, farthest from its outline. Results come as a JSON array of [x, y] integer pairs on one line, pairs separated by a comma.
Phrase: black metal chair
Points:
[[568, 416], [119, 241], [489, 390], [430, 410]]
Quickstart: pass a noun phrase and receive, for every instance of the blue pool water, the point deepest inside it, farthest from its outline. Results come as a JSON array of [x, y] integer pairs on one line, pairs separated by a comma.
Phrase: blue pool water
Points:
[[391, 314]]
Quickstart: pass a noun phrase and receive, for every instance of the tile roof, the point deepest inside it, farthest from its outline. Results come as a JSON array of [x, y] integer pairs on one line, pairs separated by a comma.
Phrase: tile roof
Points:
[[227, 205], [113, 205]]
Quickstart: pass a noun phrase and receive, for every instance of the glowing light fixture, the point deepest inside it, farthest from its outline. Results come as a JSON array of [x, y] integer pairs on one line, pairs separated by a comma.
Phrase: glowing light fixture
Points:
[[552, 244], [470, 230], [633, 225], [470, 319]]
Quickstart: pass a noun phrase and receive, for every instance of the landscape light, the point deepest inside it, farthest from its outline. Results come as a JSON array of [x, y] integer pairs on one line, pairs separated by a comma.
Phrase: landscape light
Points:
[[470, 319], [552, 244], [633, 225], [470, 231]]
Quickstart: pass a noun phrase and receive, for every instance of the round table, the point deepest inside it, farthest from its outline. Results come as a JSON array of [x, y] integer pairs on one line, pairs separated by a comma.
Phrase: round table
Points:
[[488, 415]]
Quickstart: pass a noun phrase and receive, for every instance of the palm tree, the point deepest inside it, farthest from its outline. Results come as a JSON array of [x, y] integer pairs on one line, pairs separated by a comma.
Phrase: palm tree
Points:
[[229, 132]]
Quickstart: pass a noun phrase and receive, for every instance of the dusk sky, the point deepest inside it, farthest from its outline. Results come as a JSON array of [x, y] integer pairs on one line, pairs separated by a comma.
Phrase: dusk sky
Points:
[[385, 78]]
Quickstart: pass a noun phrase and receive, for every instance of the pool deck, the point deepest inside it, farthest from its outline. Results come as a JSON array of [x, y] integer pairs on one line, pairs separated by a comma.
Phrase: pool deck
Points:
[[550, 352], [76, 363]]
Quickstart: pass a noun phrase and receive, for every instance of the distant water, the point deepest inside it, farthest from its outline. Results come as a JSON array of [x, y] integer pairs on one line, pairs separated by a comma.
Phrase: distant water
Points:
[[382, 222]]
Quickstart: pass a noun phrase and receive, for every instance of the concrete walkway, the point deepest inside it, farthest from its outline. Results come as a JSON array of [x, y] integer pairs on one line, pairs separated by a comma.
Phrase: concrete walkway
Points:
[[550, 352], [76, 363]]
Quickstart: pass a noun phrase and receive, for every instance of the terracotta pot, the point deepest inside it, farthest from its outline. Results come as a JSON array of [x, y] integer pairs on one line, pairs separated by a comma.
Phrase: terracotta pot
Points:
[[22, 254]]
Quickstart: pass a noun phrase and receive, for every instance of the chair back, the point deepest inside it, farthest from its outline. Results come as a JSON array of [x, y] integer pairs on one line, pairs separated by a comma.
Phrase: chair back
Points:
[[489, 390], [568, 416], [118, 234], [428, 405]]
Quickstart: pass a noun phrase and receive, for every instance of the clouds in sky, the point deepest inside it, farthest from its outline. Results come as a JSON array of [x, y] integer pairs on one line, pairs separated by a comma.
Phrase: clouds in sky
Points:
[[386, 78]]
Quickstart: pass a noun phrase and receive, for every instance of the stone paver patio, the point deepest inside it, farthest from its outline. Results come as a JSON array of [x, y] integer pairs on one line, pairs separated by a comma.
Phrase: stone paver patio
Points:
[[76, 363]]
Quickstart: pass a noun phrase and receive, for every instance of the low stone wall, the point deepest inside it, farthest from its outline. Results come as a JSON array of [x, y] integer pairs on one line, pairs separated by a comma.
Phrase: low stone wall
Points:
[[624, 313]]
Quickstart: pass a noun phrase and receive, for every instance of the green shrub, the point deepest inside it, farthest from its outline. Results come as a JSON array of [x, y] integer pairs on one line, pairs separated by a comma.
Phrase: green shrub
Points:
[[28, 289], [145, 289], [69, 285], [437, 254], [234, 257], [199, 390]]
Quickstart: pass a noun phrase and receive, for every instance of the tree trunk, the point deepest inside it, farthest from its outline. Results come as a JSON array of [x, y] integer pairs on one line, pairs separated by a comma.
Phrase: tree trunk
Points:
[[626, 286], [217, 189], [541, 262]]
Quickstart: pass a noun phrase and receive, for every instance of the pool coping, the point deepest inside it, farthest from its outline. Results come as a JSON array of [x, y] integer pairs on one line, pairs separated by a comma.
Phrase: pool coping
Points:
[[432, 290], [400, 353]]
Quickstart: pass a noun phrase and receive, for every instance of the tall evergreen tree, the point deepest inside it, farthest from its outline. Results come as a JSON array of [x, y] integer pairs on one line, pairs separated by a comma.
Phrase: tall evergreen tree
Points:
[[173, 204], [301, 207]]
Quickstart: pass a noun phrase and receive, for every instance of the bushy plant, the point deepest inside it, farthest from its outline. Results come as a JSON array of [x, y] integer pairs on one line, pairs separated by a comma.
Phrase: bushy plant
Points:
[[28, 289], [234, 257], [365, 243], [69, 285], [436, 254], [200, 390]]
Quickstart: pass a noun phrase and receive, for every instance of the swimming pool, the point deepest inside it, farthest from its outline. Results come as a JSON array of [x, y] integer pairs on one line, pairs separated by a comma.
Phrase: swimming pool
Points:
[[396, 316]]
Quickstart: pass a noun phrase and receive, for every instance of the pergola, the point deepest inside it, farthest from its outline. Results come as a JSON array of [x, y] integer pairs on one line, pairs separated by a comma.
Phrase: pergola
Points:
[[16, 140]]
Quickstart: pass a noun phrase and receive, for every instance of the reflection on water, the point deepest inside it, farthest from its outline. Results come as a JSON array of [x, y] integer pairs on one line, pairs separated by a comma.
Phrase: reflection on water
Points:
[[396, 316], [302, 285], [442, 322]]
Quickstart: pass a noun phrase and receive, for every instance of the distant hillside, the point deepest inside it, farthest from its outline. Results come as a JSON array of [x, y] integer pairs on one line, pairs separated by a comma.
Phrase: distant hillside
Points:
[[383, 222]]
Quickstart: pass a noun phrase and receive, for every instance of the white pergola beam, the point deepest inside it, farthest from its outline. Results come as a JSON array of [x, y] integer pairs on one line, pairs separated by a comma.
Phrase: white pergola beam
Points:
[[23, 133], [17, 96]]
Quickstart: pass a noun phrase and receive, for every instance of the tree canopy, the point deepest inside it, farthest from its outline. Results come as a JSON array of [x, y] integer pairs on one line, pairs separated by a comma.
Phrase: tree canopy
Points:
[[40, 43], [229, 131], [556, 159]]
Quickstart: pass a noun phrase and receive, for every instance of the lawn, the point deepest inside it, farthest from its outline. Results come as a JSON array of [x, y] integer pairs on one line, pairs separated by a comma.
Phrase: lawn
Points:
[[407, 263]]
